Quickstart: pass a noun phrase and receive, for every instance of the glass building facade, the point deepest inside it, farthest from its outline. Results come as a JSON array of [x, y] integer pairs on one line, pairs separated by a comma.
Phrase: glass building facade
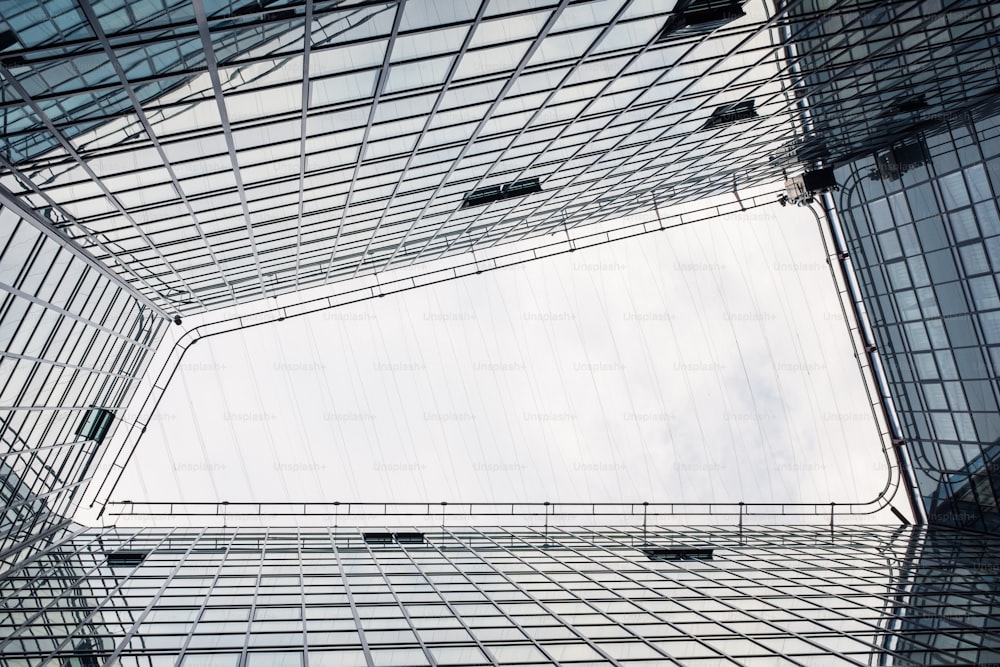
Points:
[[855, 596], [925, 239], [169, 158]]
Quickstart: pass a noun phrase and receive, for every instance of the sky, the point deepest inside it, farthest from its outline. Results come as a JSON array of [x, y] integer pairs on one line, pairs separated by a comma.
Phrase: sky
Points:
[[706, 363]]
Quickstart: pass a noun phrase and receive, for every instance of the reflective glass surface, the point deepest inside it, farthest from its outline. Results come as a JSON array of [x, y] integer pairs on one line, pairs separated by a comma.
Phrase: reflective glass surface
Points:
[[926, 245], [796, 596]]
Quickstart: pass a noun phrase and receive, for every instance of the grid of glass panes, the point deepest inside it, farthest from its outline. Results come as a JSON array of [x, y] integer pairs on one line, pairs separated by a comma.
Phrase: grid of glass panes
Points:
[[909, 64], [927, 252], [70, 339], [280, 161], [507, 597]]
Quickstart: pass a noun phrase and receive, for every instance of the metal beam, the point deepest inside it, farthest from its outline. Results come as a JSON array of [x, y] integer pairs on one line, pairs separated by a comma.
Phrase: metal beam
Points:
[[10, 200]]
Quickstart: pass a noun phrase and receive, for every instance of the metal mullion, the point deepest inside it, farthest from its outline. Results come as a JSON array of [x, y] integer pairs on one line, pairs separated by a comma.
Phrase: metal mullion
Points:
[[70, 243], [510, 79], [78, 468], [539, 227], [29, 449], [53, 490], [103, 386], [380, 83], [399, 605], [72, 152], [488, 600], [452, 69], [95, 25], [256, 594], [35, 371], [569, 626], [18, 281], [201, 610], [213, 72], [43, 436], [302, 568], [350, 599], [109, 357], [925, 50], [551, 95], [306, 93], [448, 604]]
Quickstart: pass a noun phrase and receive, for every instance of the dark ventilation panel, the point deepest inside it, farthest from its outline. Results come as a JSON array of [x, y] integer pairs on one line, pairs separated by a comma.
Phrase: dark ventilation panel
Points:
[[7, 39], [85, 654], [523, 187], [700, 17], [899, 159], [818, 181], [126, 558], [907, 104], [728, 114], [382, 539], [261, 8], [671, 555], [95, 424], [280, 15], [484, 196], [801, 190]]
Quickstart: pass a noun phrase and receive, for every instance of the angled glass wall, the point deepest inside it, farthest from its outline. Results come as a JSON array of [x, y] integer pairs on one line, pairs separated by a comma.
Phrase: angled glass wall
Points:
[[74, 343], [924, 235]]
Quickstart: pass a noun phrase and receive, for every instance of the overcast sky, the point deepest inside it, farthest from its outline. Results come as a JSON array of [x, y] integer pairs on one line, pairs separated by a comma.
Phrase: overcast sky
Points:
[[706, 363]]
